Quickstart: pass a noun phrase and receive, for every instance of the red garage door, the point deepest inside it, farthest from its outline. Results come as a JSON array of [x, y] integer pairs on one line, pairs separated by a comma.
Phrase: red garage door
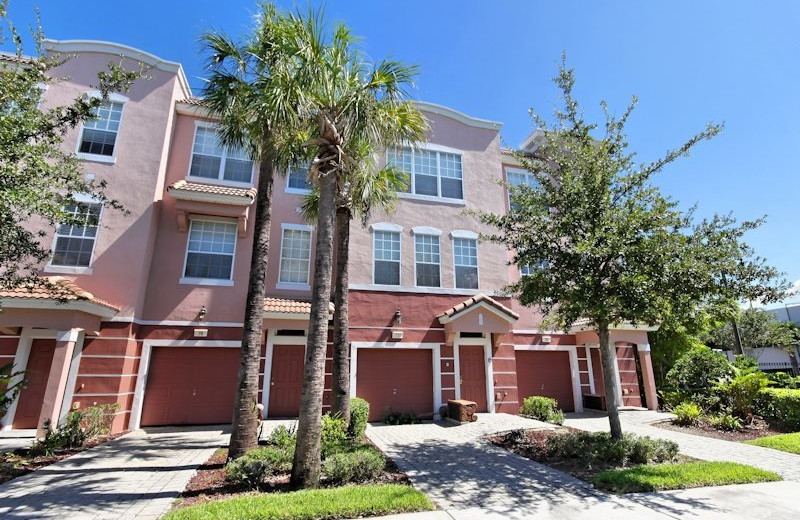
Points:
[[190, 385], [395, 380], [545, 373]]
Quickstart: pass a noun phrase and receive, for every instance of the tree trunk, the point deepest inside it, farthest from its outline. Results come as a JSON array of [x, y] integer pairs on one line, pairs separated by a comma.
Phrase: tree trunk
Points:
[[244, 433], [610, 376], [306, 465], [737, 338], [341, 343]]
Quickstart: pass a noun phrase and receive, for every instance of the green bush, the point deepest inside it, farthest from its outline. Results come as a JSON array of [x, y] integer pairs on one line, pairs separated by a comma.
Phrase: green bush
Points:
[[783, 380], [725, 422], [9, 392], [253, 468], [395, 418], [334, 435], [68, 436], [687, 413], [359, 415], [780, 407], [96, 420], [282, 437], [362, 465], [745, 364], [542, 409], [599, 447], [739, 393], [696, 374]]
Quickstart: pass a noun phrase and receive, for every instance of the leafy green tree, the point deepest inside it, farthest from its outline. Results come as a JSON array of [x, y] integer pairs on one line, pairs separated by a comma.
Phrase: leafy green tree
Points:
[[606, 246], [38, 178]]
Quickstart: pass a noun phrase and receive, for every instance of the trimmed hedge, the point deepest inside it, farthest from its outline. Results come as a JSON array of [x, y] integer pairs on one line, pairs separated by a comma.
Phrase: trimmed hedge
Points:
[[780, 407], [359, 415]]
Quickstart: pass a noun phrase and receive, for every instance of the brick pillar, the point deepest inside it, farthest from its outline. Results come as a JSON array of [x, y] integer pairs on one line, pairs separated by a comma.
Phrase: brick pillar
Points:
[[648, 377], [57, 379]]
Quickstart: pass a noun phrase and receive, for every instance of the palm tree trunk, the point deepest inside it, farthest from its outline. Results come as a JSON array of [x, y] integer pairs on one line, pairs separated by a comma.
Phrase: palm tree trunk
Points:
[[307, 461], [341, 343], [245, 412], [611, 376]]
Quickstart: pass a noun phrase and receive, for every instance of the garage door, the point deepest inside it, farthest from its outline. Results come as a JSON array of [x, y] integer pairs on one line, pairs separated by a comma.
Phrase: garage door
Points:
[[545, 373], [29, 406], [395, 380], [190, 385]]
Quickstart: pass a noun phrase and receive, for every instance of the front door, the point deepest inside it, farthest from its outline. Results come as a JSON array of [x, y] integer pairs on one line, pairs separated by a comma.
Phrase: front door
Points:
[[473, 375], [37, 371], [286, 381]]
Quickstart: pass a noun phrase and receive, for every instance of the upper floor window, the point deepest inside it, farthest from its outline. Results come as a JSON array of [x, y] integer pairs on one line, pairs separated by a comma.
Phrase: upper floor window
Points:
[[210, 251], [525, 270], [465, 257], [387, 257], [74, 242], [100, 134], [426, 251], [519, 177], [210, 160], [432, 173], [295, 254], [297, 179]]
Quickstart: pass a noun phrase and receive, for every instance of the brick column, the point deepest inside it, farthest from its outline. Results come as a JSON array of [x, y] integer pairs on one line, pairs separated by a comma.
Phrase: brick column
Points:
[[648, 378], [57, 379]]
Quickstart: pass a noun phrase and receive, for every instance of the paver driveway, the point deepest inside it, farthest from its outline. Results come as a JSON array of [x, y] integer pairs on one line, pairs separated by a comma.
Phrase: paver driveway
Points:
[[135, 476]]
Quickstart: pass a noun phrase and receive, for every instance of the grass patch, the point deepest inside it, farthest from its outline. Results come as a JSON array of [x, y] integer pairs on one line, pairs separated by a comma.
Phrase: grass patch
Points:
[[343, 502], [789, 442], [680, 476]]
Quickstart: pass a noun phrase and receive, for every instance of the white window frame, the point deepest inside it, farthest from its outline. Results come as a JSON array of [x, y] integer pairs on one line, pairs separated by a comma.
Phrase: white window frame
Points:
[[295, 286], [412, 182], [293, 191], [74, 269], [516, 171], [431, 232], [219, 180], [108, 159], [386, 227], [189, 280], [466, 235]]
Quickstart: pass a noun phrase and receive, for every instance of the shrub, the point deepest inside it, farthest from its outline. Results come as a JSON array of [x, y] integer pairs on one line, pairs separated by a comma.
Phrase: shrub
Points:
[[282, 437], [725, 422], [696, 373], [745, 364], [395, 418], [362, 465], [9, 392], [359, 415], [739, 393], [599, 447], [253, 468], [542, 409], [96, 420], [687, 413], [334, 435], [783, 380], [780, 407], [69, 436]]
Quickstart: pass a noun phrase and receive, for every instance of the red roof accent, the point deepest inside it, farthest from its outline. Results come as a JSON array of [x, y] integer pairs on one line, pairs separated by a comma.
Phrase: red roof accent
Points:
[[475, 300], [62, 289]]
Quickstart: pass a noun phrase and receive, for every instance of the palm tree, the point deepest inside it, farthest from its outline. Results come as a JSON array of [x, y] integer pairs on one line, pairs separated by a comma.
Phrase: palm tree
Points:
[[249, 91], [349, 106]]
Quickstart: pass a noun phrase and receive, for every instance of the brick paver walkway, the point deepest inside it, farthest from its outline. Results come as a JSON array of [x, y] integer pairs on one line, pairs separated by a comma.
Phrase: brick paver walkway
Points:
[[135, 476], [785, 464]]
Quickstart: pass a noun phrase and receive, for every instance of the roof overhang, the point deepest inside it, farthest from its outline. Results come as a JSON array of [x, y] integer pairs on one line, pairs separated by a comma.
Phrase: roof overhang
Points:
[[478, 302], [85, 306], [183, 190], [586, 327]]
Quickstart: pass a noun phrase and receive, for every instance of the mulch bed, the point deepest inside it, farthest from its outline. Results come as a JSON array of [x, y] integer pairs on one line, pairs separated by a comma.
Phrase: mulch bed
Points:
[[759, 428], [532, 445], [19, 462], [210, 484]]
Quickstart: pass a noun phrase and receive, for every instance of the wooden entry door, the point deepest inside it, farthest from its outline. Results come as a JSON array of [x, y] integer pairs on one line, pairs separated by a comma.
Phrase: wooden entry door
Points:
[[286, 380], [473, 375], [37, 371]]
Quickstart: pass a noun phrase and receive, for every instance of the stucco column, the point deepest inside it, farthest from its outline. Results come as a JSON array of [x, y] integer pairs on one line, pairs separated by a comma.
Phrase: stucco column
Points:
[[57, 379], [648, 378]]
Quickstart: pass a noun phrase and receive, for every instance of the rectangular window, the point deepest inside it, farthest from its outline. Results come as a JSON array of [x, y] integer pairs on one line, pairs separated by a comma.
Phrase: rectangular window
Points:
[[298, 178], [432, 173], [209, 253], [295, 256], [465, 254], [100, 134], [387, 257], [210, 160], [75, 241], [427, 260], [525, 270], [518, 177]]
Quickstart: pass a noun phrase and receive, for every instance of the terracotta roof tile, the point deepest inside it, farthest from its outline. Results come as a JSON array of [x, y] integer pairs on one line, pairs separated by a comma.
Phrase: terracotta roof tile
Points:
[[65, 290], [474, 300], [285, 305], [212, 189]]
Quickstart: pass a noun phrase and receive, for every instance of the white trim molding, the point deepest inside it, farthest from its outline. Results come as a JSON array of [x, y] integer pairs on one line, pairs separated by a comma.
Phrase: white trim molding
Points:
[[386, 226], [461, 117], [426, 230], [463, 233]]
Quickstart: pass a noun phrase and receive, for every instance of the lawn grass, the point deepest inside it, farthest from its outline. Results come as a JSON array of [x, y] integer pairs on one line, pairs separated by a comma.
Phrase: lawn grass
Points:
[[789, 442], [680, 476], [332, 503]]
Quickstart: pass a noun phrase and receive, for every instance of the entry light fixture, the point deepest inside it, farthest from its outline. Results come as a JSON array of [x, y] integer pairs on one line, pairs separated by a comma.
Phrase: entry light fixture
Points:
[[201, 316], [397, 319]]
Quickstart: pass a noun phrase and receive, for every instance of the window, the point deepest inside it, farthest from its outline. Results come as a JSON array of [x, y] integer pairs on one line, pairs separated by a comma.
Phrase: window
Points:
[[297, 178], [295, 255], [465, 255], [211, 161], [100, 134], [75, 241], [427, 260], [518, 177], [210, 250], [525, 270], [387, 257], [432, 173]]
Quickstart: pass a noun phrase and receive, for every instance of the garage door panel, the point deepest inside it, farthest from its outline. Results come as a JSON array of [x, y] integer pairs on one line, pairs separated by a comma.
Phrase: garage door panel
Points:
[[190, 385], [397, 380], [545, 373]]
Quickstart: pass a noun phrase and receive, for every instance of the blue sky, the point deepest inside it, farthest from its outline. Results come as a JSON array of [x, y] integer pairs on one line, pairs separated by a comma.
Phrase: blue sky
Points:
[[689, 62]]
